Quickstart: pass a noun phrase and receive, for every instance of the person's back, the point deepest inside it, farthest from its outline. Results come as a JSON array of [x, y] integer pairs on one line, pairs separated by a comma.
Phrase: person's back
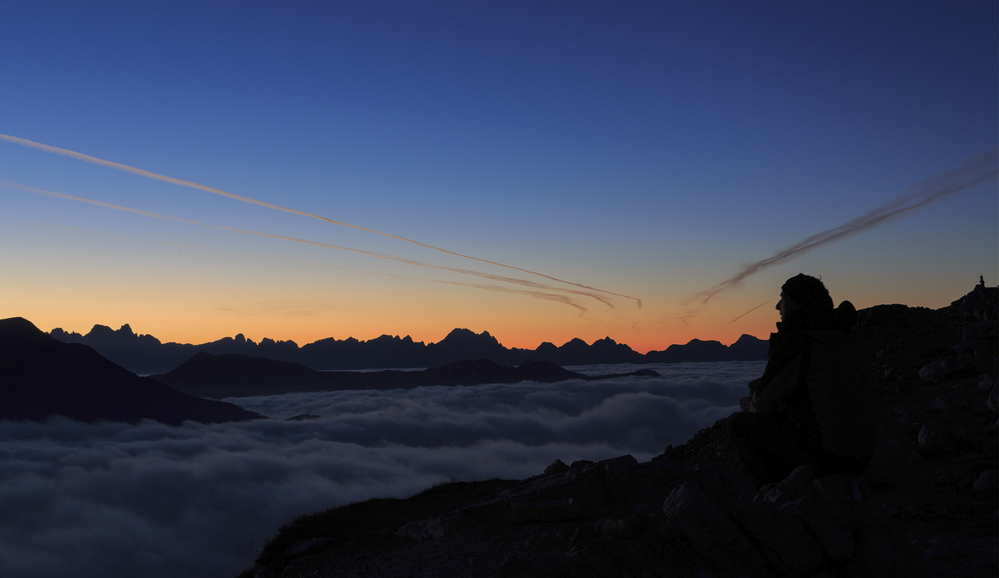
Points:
[[813, 404], [844, 402]]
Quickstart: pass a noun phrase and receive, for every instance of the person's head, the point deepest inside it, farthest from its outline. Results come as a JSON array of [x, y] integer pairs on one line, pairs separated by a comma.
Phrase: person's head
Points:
[[805, 293], [786, 305]]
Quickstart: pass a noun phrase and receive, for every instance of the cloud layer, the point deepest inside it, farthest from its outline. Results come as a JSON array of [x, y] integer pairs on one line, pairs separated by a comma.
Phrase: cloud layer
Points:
[[151, 500]]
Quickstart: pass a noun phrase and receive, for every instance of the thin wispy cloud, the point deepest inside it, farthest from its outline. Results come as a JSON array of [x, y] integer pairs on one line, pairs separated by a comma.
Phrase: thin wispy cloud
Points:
[[244, 199], [279, 308], [252, 233], [498, 288], [748, 312], [65, 228], [565, 299], [972, 172], [327, 266], [527, 283], [96, 233]]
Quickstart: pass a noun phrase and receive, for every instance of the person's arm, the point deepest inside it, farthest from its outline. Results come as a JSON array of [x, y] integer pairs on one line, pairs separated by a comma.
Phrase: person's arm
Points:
[[782, 385]]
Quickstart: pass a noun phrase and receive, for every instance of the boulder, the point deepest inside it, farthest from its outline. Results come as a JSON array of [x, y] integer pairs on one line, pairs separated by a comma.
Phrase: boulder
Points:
[[935, 437], [987, 482], [937, 369], [707, 527]]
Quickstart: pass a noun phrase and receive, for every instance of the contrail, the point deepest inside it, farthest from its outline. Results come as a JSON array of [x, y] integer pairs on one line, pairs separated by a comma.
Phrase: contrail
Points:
[[747, 313], [65, 228], [536, 294], [724, 329], [524, 282], [974, 171], [183, 183], [252, 233], [327, 265], [97, 233]]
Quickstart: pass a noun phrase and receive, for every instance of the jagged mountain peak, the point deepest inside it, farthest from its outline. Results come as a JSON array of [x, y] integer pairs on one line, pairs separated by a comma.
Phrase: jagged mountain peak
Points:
[[462, 336], [41, 377], [145, 354]]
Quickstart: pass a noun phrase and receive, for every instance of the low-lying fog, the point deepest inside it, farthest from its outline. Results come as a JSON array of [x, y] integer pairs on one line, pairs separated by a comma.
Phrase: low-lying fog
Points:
[[153, 500]]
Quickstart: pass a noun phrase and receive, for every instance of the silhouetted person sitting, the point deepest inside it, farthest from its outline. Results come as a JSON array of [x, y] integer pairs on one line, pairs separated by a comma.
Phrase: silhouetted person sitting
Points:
[[813, 404]]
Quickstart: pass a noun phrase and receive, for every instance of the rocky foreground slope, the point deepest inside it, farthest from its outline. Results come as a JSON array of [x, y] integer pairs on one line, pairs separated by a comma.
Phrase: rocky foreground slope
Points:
[[927, 507]]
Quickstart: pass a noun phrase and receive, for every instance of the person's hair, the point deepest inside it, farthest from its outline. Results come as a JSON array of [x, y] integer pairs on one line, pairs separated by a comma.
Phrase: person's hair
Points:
[[809, 293]]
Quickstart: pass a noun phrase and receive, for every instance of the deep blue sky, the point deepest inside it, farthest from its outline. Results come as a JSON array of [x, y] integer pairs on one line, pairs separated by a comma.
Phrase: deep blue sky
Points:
[[647, 149]]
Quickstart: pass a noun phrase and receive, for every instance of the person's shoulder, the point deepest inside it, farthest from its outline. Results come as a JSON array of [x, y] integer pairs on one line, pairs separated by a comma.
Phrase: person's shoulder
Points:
[[832, 337]]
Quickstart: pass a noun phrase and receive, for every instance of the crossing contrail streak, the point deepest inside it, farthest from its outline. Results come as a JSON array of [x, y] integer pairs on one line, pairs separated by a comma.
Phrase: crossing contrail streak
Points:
[[183, 183], [326, 265], [747, 312], [252, 233], [564, 299], [497, 288], [974, 171]]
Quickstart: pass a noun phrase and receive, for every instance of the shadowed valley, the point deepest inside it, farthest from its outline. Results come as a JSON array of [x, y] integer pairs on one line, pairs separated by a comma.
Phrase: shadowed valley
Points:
[[232, 375]]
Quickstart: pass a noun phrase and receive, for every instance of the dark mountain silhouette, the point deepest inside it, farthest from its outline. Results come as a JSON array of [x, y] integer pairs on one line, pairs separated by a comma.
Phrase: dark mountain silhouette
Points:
[[145, 354], [41, 377], [748, 348], [694, 350], [462, 344], [233, 375], [577, 352]]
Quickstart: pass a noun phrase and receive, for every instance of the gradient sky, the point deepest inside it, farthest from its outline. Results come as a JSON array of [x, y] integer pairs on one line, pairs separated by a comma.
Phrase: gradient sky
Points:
[[642, 149]]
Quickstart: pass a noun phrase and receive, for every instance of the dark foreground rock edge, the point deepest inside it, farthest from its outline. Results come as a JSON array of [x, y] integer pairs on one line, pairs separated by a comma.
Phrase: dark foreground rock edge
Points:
[[927, 506]]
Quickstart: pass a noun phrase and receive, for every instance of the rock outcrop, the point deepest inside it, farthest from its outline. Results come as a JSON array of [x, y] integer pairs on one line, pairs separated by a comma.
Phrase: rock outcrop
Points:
[[619, 517], [926, 507]]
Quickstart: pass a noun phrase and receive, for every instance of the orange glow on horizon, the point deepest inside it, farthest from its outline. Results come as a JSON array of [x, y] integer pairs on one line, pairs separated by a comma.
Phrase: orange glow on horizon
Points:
[[306, 327]]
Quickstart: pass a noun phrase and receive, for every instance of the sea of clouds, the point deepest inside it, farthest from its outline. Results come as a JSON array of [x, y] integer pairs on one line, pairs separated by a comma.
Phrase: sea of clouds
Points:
[[200, 500]]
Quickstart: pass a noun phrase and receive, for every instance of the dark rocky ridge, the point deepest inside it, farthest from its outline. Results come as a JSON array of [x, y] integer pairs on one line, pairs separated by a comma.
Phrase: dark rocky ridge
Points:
[[145, 354], [231, 375], [41, 377], [928, 505]]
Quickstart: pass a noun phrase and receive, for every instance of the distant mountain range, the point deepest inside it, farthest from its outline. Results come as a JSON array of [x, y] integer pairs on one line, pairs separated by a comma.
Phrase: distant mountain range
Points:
[[144, 354], [41, 377]]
